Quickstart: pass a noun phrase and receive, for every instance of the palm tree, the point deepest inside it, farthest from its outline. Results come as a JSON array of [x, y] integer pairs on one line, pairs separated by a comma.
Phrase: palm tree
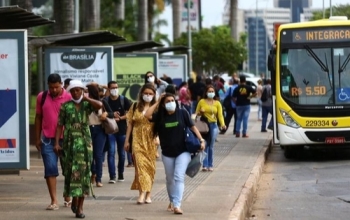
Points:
[[142, 21], [176, 5], [91, 15], [233, 18], [63, 13], [120, 10]]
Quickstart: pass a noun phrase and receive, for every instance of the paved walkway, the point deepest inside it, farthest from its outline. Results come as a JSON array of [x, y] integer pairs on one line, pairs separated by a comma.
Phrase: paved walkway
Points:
[[221, 194]]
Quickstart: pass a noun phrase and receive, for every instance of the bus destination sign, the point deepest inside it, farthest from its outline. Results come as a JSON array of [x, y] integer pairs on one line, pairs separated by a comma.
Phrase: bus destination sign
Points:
[[321, 35]]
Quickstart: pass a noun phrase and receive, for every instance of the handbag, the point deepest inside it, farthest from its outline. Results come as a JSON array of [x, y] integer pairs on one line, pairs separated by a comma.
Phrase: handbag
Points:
[[110, 126], [202, 126], [191, 141], [195, 164]]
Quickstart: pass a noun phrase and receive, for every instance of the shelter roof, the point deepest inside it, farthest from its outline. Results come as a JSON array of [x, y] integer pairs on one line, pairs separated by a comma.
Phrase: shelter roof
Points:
[[168, 49], [76, 39], [14, 17], [135, 46]]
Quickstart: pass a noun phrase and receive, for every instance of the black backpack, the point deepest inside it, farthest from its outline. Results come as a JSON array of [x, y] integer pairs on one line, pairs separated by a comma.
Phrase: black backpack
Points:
[[264, 95], [227, 101]]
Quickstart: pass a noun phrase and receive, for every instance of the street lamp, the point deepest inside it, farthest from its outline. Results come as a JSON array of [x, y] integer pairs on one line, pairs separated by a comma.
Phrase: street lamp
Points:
[[256, 40], [189, 36]]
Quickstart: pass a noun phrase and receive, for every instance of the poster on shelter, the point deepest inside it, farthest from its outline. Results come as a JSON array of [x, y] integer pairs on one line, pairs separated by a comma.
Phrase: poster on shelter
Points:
[[194, 15], [14, 141], [130, 69], [88, 64], [174, 67]]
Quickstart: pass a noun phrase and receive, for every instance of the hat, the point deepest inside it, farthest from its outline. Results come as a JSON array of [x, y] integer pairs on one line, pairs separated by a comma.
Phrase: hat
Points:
[[75, 84]]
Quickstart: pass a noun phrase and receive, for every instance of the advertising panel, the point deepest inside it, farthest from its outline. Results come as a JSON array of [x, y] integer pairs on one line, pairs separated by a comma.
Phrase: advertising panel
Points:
[[14, 117], [175, 67], [88, 64], [194, 15], [130, 70]]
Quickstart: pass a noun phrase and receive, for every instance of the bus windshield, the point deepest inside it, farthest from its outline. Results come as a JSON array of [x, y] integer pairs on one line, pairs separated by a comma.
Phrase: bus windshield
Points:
[[315, 76]]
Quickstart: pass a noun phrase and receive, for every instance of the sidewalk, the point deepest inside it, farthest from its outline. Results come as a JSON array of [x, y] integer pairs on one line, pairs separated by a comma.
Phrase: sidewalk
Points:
[[224, 193]]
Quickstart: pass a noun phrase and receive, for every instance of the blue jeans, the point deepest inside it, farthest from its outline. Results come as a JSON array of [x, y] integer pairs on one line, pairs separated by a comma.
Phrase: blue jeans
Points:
[[242, 116], [129, 157], [175, 170], [119, 140], [265, 113], [98, 137], [50, 158], [209, 149], [194, 106]]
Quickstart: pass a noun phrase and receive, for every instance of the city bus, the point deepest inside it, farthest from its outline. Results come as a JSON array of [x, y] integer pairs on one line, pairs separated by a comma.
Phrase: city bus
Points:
[[311, 98]]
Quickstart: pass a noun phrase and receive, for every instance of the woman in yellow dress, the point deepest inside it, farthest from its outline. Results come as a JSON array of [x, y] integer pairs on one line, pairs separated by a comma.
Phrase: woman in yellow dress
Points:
[[143, 144]]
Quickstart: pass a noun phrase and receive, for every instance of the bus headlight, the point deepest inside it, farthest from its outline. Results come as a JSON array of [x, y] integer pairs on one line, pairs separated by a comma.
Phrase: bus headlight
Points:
[[289, 120]]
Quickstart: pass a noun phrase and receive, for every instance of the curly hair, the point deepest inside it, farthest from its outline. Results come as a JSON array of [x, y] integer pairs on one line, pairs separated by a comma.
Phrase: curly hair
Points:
[[140, 101]]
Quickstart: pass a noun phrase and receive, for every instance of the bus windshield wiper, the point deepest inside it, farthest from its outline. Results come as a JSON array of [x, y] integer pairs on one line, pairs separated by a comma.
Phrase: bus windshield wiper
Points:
[[319, 62], [343, 66]]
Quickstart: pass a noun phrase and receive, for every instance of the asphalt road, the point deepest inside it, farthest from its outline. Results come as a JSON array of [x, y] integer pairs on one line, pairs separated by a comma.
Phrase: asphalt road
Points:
[[315, 185]]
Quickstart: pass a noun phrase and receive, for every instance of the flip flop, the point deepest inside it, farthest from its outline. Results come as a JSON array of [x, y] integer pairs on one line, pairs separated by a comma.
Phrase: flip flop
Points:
[[67, 204], [53, 207]]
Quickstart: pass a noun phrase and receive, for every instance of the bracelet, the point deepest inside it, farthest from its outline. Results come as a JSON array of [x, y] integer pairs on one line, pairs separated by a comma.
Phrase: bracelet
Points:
[[201, 140]]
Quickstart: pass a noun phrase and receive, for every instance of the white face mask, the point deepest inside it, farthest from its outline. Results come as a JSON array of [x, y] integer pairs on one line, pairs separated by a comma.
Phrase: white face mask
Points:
[[79, 100], [147, 98], [151, 79], [114, 92], [210, 95], [170, 106]]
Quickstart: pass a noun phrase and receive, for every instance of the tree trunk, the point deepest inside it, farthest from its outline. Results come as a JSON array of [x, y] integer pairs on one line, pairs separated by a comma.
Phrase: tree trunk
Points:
[[150, 15], [176, 4], [142, 22], [233, 19], [120, 10], [91, 15], [63, 12]]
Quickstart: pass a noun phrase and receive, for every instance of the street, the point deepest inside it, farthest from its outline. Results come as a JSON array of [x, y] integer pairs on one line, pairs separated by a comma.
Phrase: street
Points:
[[316, 185]]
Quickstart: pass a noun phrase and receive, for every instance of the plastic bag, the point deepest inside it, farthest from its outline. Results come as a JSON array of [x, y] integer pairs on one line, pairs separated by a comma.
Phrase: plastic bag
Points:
[[195, 164]]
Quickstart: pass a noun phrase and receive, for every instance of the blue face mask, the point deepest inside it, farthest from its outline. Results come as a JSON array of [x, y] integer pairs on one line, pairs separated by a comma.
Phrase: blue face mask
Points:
[[210, 95], [170, 106]]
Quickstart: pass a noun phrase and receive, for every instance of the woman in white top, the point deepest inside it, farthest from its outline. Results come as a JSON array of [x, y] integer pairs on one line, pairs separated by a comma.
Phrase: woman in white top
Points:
[[159, 84]]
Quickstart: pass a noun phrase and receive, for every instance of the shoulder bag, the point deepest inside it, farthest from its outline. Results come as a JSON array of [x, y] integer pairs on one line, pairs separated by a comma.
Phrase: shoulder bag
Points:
[[192, 143], [109, 125]]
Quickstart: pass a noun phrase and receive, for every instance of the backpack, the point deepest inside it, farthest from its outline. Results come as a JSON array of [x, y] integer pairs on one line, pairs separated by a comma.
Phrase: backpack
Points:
[[227, 101], [43, 98], [264, 95]]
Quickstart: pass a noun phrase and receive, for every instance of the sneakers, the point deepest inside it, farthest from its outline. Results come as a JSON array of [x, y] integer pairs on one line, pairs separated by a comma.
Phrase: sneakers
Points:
[[245, 136], [112, 180], [270, 127], [120, 178], [263, 130]]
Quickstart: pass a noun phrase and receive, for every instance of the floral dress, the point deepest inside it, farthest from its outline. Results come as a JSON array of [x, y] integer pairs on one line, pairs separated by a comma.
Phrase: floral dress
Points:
[[77, 148], [143, 149]]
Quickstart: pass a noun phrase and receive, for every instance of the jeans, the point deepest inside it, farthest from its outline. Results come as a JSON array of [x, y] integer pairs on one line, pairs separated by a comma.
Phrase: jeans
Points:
[[129, 157], [175, 170], [98, 137], [194, 106], [229, 113], [259, 108], [265, 113], [242, 116], [50, 158], [209, 149], [118, 139]]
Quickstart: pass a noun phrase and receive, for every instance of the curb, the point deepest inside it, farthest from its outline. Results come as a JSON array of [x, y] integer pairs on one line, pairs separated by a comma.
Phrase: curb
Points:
[[246, 197]]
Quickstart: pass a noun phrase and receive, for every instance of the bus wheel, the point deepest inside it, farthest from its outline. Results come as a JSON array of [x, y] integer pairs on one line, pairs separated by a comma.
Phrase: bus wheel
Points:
[[289, 152]]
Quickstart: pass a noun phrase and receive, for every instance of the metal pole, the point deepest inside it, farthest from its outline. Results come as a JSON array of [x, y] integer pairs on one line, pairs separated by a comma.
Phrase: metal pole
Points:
[[331, 8], [189, 35], [39, 57], [76, 16], [256, 40], [323, 10]]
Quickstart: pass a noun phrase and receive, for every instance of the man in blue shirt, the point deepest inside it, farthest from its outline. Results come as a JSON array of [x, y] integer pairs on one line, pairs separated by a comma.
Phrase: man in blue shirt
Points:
[[231, 111]]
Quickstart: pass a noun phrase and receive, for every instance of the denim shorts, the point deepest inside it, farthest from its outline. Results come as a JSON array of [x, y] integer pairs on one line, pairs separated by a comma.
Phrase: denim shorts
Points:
[[50, 158]]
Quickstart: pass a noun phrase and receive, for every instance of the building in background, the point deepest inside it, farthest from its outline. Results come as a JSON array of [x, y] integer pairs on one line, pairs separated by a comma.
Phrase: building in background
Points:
[[259, 26], [297, 7]]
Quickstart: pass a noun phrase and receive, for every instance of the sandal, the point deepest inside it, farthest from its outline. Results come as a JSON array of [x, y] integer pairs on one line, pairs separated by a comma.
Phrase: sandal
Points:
[[52, 207], [170, 207], [67, 203]]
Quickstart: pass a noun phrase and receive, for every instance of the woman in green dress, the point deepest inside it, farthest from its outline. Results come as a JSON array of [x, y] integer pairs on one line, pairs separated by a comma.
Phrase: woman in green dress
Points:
[[77, 144]]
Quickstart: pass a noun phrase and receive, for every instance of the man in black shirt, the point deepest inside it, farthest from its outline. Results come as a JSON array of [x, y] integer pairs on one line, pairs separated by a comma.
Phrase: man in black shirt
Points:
[[119, 106], [197, 90], [241, 96]]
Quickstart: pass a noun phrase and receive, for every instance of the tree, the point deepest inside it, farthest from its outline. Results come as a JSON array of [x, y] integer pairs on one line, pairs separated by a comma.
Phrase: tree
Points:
[[233, 18], [339, 10], [176, 6], [215, 51], [91, 15], [142, 20], [63, 13]]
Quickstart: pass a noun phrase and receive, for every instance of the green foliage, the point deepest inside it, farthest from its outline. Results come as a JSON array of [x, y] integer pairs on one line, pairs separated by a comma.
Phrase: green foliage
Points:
[[339, 10], [214, 50]]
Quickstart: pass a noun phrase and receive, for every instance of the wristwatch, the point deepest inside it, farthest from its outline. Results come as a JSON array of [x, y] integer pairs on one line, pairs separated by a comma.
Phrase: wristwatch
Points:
[[201, 140]]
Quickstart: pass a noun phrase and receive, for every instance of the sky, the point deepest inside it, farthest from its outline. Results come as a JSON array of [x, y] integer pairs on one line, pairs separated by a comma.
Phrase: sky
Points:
[[212, 11]]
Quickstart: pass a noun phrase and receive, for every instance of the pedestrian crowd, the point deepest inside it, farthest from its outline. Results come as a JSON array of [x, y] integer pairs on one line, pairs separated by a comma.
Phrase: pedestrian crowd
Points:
[[70, 120]]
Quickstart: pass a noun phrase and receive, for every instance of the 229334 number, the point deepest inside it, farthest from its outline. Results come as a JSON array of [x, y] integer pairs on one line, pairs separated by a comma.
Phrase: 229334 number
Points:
[[316, 123]]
